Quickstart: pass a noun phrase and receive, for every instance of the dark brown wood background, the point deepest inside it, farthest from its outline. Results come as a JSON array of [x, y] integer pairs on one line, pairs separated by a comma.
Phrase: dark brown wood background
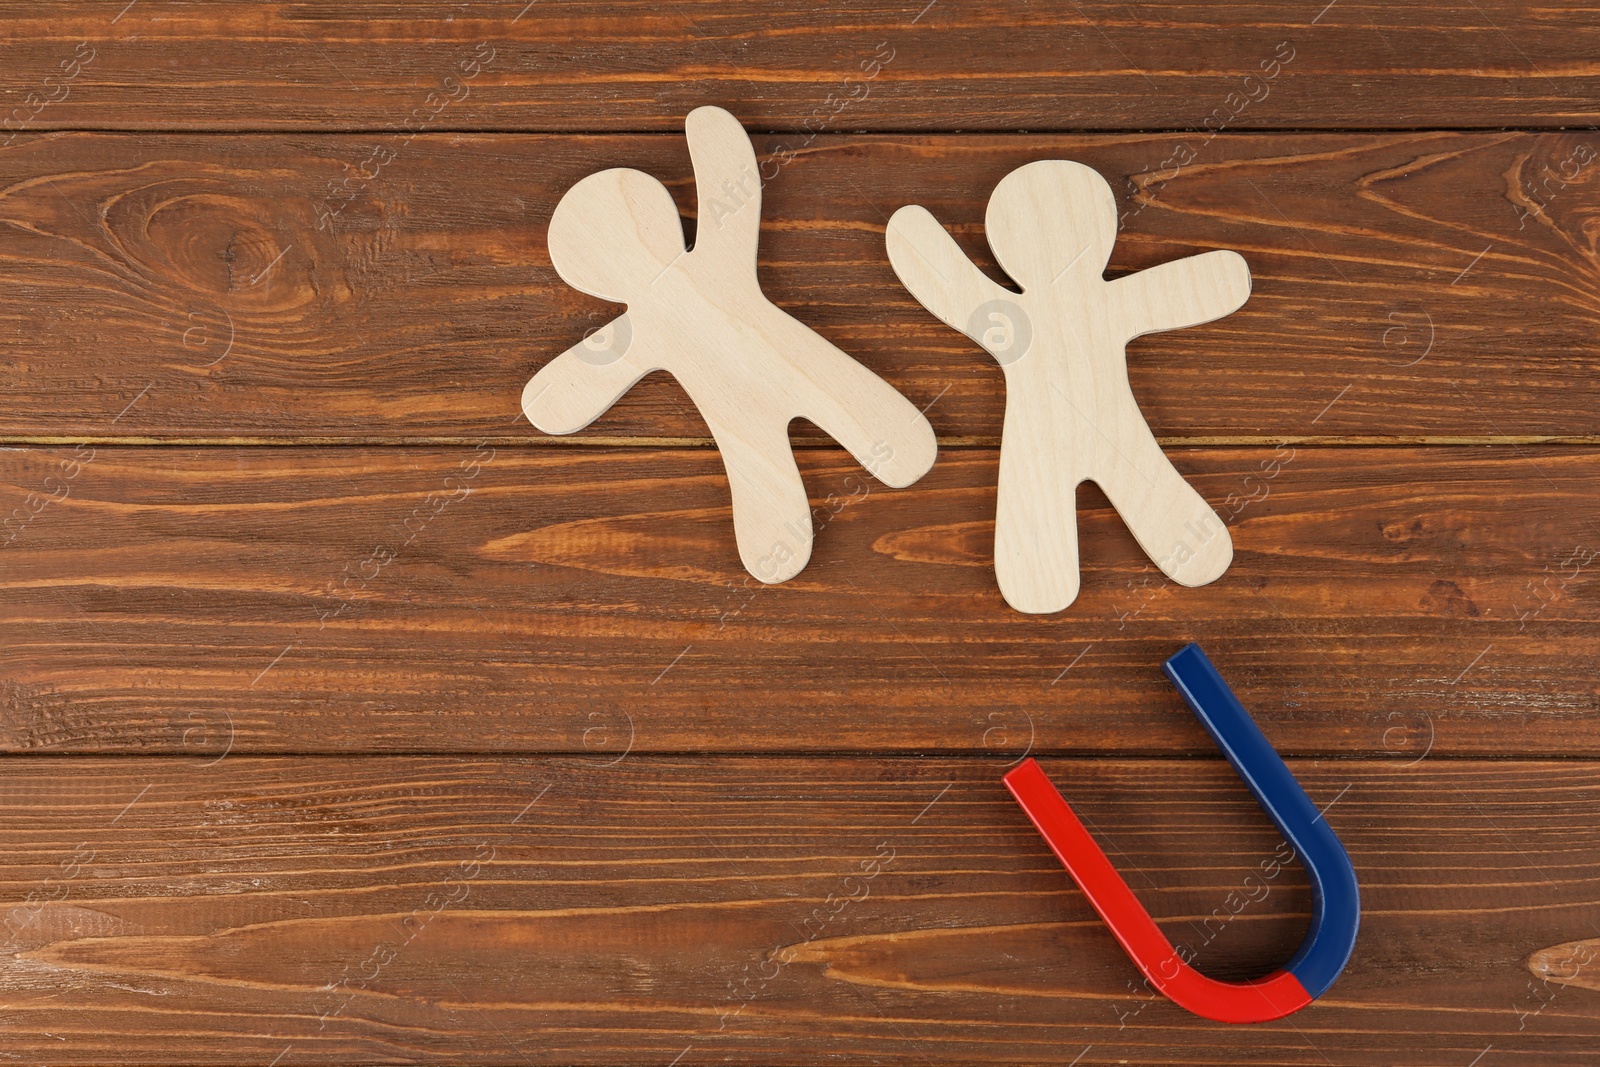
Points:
[[310, 755]]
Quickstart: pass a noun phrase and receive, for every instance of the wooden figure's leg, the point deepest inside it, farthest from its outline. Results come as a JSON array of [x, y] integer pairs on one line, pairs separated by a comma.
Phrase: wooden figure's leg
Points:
[[876, 424], [771, 512], [1172, 522], [1036, 527]]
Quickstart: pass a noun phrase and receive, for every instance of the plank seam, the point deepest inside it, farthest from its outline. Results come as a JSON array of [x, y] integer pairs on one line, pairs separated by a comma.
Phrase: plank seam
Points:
[[40, 129], [775, 755], [976, 441]]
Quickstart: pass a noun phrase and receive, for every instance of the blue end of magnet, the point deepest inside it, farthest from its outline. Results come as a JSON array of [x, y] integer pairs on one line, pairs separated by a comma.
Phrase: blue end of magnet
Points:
[[1336, 898]]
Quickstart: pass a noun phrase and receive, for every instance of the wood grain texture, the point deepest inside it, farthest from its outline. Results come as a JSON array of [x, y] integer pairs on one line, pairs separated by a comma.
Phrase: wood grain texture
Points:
[[416, 743], [763, 911], [953, 64], [1428, 284], [186, 600]]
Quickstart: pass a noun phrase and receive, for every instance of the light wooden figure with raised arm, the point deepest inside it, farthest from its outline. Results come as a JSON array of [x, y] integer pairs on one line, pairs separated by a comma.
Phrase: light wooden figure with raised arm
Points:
[[1070, 413], [700, 315]]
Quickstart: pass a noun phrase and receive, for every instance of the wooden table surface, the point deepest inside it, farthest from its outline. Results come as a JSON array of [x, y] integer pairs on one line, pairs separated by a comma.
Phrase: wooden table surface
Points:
[[346, 718]]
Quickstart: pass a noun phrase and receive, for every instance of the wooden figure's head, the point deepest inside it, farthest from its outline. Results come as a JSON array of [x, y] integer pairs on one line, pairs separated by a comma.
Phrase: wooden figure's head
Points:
[[1050, 221], [614, 234]]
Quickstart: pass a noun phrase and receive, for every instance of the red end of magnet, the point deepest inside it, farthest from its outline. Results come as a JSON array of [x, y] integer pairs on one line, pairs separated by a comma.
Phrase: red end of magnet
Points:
[[1272, 997]]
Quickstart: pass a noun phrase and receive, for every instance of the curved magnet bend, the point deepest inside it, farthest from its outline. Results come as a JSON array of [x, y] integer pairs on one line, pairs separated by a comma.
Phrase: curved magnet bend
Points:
[[1336, 903]]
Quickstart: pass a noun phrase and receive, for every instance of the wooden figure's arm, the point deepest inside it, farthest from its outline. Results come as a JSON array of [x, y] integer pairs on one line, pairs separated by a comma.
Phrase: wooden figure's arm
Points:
[[933, 268], [1184, 292], [582, 383], [727, 184]]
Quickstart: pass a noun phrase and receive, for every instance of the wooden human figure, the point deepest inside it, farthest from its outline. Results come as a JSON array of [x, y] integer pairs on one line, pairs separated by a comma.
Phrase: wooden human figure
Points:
[[748, 366], [1070, 413]]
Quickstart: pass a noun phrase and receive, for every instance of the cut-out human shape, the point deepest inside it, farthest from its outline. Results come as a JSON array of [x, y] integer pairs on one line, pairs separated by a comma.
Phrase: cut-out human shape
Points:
[[701, 316], [1070, 413]]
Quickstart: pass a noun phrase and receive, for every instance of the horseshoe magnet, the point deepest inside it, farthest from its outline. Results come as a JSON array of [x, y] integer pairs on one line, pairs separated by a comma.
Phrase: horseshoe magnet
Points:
[[1336, 902]]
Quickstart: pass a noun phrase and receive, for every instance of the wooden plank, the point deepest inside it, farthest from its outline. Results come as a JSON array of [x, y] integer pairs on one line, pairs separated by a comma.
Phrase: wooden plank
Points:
[[180, 286], [203, 600], [325, 910], [567, 65]]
